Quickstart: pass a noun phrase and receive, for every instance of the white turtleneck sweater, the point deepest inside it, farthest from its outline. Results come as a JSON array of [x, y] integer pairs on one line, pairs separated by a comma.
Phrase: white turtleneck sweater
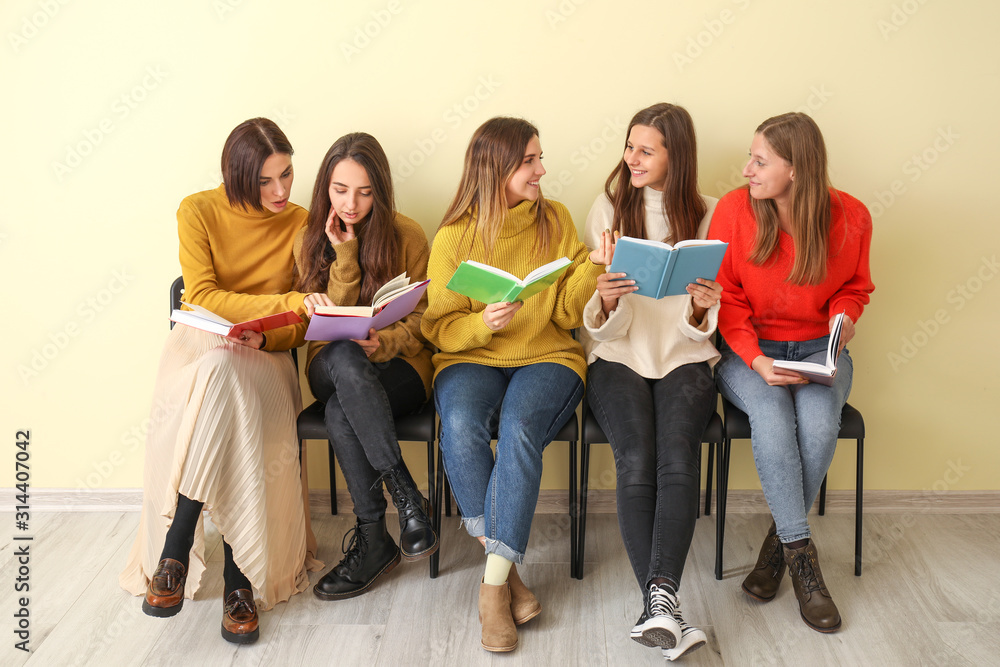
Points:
[[650, 336]]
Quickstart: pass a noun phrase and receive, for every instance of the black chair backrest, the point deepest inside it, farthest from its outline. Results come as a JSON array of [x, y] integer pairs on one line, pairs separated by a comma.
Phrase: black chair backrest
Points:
[[176, 293]]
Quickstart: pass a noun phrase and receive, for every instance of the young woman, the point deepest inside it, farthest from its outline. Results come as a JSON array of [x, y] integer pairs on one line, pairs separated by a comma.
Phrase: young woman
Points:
[[506, 368], [356, 242], [806, 247], [223, 430], [650, 377]]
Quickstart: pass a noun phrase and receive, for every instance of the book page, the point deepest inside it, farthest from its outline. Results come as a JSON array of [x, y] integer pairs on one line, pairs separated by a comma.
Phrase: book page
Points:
[[696, 242], [393, 285], [649, 242], [492, 269], [208, 315], [545, 270]]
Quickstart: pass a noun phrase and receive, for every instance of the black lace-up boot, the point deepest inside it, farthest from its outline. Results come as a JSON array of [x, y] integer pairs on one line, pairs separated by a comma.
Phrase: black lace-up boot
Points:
[[370, 553], [417, 538]]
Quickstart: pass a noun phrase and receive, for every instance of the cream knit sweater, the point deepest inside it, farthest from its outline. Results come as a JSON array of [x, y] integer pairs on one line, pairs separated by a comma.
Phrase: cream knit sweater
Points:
[[650, 336]]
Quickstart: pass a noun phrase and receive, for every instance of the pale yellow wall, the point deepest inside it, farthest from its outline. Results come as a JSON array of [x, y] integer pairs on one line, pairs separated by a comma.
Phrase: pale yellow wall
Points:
[[147, 92]]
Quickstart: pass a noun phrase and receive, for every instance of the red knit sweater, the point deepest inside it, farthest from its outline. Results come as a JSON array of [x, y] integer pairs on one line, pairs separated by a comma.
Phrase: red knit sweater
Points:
[[758, 302]]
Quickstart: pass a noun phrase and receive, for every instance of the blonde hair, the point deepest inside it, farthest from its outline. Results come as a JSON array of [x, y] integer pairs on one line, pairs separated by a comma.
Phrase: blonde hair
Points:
[[495, 152], [796, 138]]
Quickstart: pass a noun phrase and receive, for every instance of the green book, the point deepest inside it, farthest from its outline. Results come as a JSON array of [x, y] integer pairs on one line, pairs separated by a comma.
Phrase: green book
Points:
[[489, 284]]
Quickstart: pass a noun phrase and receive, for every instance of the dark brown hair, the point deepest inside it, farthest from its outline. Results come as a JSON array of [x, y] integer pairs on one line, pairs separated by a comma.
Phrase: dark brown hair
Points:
[[795, 138], [682, 205], [247, 148], [495, 152], [378, 246]]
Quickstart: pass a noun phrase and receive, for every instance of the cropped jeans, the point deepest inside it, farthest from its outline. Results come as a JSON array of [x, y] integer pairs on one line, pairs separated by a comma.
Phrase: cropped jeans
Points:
[[655, 428], [525, 406], [794, 428], [362, 399]]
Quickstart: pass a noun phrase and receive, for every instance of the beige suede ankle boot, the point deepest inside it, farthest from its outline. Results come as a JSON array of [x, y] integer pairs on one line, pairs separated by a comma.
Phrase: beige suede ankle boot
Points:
[[524, 606], [499, 632]]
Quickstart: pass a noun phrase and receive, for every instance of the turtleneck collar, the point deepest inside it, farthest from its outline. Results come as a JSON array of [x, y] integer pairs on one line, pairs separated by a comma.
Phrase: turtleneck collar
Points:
[[518, 219]]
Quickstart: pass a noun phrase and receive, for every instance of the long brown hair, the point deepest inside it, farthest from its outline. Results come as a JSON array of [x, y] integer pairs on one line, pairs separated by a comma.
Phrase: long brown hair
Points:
[[682, 205], [377, 241], [495, 152], [247, 148], [796, 138]]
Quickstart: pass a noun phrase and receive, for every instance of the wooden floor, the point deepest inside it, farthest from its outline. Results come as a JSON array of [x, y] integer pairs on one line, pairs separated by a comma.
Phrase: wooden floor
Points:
[[930, 595]]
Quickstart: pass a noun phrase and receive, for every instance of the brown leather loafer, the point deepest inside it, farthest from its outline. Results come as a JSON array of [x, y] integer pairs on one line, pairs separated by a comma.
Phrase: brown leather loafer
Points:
[[165, 593], [239, 618]]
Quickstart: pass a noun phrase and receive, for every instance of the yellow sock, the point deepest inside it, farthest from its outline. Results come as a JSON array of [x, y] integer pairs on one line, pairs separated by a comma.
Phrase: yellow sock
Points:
[[497, 568]]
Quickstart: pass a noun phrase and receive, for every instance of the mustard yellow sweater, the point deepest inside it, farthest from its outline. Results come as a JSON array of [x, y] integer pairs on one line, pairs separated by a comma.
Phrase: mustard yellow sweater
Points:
[[238, 264], [540, 331], [403, 338]]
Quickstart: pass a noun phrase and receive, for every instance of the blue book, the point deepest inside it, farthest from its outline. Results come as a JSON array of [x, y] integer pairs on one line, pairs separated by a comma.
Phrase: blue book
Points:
[[660, 269]]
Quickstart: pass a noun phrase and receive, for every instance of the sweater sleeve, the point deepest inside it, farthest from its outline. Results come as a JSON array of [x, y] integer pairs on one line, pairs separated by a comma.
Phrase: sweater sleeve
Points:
[[450, 321], [853, 295], [734, 316], [577, 286], [404, 337], [201, 286]]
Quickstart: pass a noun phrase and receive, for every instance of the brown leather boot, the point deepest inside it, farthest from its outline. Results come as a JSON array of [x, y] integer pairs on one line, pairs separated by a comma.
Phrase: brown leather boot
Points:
[[763, 581], [524, 606], [815, 603], [499, 633]]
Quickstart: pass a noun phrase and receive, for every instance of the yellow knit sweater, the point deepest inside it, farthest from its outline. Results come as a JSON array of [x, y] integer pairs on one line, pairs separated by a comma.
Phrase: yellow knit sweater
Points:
[[540, 331], [403, 338], [238, 264]]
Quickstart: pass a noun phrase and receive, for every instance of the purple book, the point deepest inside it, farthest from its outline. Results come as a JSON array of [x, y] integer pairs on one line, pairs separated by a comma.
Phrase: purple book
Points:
[[331, 327]]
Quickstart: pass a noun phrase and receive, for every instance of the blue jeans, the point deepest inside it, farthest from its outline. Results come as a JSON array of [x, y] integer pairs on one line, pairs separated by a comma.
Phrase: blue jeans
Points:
[[525, 406], [794, 427]]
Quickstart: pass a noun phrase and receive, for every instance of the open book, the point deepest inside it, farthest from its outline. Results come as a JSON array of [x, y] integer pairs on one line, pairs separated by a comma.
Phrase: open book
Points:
[[660, 269], [206, 320], [820, 373], [391, 303], [489, 284]]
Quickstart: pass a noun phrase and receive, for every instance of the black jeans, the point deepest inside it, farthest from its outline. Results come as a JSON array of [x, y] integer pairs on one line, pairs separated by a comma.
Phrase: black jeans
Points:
[[655, 428], [362, 399]]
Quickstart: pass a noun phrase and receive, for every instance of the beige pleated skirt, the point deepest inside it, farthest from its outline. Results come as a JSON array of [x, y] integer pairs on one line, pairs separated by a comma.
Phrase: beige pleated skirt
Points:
[[222, 431]]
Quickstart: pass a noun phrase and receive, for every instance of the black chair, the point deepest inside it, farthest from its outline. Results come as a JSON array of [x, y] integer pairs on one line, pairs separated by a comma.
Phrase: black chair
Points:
[[570, 433], [417, 427], [737, 427], [593, 434]]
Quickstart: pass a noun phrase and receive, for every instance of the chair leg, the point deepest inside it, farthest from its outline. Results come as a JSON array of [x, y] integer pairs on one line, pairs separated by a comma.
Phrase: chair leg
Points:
[[439, 485], [584, 489], [433, 560], [722, 484], [708, 479], [822, 497], [574, 511], [333, 479], [447, 495], [858, 507], [697, 507]]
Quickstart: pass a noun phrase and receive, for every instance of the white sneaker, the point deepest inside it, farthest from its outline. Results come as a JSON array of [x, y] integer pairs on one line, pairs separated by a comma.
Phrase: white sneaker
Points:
[[692, 639], [657, 625]]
